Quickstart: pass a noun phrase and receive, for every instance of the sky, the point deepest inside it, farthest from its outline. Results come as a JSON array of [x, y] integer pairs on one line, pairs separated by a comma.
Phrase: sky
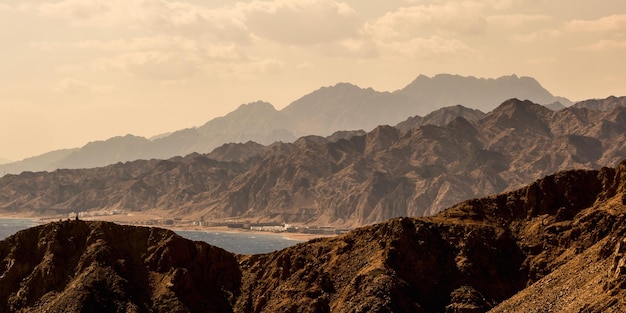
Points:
[[75, 71]]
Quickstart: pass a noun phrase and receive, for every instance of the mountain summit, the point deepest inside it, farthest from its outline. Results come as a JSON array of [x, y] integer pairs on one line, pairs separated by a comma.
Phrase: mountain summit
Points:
[[477, 93]]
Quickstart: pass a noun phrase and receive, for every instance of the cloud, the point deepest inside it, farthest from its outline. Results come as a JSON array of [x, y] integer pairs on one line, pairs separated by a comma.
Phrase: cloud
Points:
[[301, 22], [17, 6], [604, 24], [186, 19], [429, 20], [45, 45], [544, 34], [493, 4], [362, 48], [428, 30], [171, 17], [516, 20], [177, 66], [156, 43], [434, 46], [158, 66], [305, 66], [77, 87], [285, 21], [606, 45], [245, 70], [96, 12], [542, 61], [201, 49]]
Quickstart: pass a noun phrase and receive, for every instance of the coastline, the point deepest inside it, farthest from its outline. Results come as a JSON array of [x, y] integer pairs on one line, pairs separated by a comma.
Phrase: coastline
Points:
[[225, 229], [144, 220]]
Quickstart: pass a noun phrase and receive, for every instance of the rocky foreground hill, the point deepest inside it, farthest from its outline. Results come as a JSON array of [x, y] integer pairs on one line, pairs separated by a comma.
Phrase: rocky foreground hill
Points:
[[349, 179], [557, 245]]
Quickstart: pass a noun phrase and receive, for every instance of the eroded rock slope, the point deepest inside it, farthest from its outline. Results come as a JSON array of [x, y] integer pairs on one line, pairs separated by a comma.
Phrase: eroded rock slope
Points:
[[556, 245], [469, 258], [77, 266]]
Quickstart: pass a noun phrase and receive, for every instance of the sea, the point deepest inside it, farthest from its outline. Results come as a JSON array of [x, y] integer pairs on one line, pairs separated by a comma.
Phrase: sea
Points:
[[241, 243]]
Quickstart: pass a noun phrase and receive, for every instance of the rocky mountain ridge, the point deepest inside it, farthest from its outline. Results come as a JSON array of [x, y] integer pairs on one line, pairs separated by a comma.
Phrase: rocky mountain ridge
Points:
[[441, 117], [345, 182], [602, 104], [322, 112], [502, 253]]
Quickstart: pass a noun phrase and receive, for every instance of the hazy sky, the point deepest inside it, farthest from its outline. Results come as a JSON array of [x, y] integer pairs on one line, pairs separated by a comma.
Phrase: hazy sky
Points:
[[74, 71]]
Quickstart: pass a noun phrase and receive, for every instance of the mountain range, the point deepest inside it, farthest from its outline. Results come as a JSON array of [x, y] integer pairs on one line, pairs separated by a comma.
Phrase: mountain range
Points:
[[324, 111], [556, 245], [347, 179]]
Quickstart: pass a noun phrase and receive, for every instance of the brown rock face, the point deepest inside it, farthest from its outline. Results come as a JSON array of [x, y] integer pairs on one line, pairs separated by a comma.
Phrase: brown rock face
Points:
[[469, 258], [556, 245], [77, 266]]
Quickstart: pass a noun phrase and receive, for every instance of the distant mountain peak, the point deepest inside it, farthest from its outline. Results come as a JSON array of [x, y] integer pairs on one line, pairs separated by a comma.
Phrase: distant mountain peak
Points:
[[256, 105], [522, 115], [517, 105], [479, 93], [442, 117], [345, 85], [332, 90]]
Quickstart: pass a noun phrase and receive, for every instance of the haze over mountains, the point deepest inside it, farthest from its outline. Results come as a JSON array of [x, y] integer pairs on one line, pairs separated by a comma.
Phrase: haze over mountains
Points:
[[347, 179], [322, 112], [554, 243]]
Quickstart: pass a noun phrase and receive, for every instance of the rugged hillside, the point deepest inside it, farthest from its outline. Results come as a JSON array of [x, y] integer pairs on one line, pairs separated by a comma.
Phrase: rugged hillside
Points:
[[602, 104], [352, 181], [563, 228], [441, 117], [326, 110], [77, 266], [556, 245]]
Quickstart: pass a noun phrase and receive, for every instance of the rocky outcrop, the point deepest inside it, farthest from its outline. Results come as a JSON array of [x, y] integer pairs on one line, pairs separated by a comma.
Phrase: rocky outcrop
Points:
[[556, 245], [76, 266], [469, 258]]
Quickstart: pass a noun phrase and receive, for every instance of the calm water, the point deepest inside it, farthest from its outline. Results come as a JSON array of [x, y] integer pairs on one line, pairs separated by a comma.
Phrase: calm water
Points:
[[243, 243], [11, 226]]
